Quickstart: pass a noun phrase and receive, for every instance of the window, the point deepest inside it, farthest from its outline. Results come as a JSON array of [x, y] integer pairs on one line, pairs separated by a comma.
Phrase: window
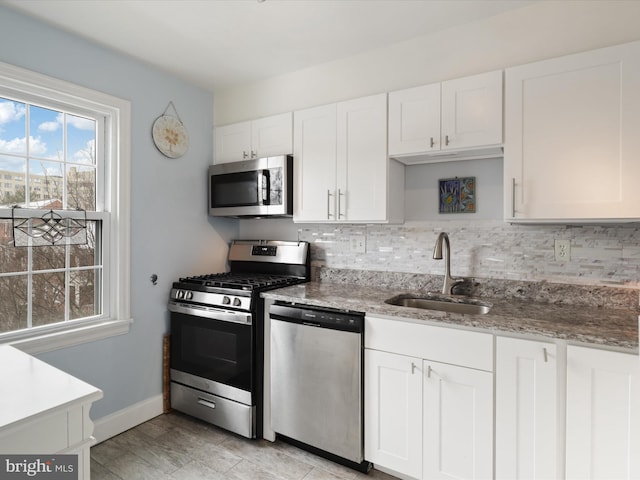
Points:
[[65, 147]]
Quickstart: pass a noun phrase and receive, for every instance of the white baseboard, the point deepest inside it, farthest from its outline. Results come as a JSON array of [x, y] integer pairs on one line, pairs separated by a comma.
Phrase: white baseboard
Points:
[[123, 420]]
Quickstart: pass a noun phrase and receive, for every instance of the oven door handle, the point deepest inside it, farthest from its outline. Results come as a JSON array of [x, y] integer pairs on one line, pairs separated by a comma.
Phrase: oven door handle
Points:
[[211, 313]]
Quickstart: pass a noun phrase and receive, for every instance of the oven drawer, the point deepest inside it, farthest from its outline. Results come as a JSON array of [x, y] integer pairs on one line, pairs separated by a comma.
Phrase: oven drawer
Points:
[[233, 416]]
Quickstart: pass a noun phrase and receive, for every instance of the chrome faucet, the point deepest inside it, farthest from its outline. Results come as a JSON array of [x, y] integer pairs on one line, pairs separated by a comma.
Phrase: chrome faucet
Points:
[[449, 281]]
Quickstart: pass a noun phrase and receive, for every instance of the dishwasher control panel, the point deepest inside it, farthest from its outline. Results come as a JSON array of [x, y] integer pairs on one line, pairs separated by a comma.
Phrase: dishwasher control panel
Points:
[[318, 317]]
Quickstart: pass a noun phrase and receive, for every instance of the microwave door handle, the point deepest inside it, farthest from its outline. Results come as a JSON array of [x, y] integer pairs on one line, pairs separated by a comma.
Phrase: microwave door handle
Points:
[[263, 187]]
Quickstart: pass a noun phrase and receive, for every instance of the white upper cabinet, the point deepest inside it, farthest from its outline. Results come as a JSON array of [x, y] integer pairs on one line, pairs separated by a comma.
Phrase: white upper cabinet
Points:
[[314, 168], [342, 173], [571, 137], [414, 120], [265, 137], [453, 120]]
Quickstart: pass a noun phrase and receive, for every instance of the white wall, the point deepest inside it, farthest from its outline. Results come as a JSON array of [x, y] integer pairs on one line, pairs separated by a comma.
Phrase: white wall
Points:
[[171, 234], [543, 30]]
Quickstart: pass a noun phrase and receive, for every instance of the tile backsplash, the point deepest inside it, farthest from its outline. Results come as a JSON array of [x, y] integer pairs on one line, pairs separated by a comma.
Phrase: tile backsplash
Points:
[[599, 255]]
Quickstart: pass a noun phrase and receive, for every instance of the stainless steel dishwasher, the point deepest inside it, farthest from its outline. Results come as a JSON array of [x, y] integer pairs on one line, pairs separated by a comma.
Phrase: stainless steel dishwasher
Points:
[[317, 380]]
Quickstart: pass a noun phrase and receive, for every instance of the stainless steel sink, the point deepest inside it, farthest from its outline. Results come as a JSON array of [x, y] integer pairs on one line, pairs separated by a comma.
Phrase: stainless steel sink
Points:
[[441, 303]]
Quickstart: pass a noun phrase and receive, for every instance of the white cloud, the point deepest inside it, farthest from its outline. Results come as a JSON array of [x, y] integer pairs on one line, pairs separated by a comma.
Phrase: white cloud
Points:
[[18, 145], [49, 126], [85, 155], [81, 123], [78, 122], [10, 111]]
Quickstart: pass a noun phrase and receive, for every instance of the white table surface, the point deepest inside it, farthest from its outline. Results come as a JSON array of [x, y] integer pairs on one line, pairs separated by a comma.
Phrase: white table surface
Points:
[[30, 387]]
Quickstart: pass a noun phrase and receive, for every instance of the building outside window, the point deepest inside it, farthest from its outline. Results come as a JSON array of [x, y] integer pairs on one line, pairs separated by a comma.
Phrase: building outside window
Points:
[[65, 150]]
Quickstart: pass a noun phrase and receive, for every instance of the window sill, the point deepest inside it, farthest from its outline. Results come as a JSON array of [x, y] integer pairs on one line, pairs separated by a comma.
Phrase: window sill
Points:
[[70, 337]]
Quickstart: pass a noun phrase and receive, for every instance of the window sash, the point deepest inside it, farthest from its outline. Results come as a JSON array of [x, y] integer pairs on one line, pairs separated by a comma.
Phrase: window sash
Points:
[[113, 204]]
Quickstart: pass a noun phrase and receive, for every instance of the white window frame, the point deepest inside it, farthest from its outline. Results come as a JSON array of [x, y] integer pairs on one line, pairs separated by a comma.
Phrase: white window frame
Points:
[[115, 215]]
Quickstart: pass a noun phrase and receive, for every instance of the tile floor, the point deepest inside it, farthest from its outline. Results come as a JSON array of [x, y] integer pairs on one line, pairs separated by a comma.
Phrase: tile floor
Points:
[[178, 447]]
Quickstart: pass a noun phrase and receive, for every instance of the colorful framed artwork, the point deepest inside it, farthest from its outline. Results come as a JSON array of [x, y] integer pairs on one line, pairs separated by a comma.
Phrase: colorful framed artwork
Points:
[[457, 195]]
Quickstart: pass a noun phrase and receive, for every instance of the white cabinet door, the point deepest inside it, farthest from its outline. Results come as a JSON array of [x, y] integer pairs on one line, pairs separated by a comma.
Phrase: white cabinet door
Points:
[[271, 136], [341, 167], [393, 412], [265, 137], [458, 422], [314, 168], [458, 119], [571, 137], [362, 175], [233, 142], [414, 120], [603, 414], [472, 111], [526, 410]]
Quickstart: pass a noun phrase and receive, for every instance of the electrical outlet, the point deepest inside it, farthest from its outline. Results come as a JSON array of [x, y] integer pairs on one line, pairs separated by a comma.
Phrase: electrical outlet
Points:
[[562, 249], [358, 244]]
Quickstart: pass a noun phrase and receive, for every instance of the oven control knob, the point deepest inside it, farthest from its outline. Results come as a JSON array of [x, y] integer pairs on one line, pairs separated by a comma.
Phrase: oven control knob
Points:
[[236, 302], [189, 295], [180, 294], [226, 300]]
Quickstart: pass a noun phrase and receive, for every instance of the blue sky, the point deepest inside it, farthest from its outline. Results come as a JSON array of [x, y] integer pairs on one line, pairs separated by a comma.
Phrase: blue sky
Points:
[[45, 137]]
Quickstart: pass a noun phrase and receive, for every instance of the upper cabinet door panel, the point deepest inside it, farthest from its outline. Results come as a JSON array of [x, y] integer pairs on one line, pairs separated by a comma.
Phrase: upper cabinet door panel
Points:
[[414, 120], [233, 142], [315, 164], [362, 159], [571, 146], [273, 135], [472, 111], [264, 137]]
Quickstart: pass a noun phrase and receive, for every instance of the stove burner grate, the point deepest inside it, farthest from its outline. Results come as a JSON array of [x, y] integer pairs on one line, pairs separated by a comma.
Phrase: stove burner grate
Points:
[[240, 281]]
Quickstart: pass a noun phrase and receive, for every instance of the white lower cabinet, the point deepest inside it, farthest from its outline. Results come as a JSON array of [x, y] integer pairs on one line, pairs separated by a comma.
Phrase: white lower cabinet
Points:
[[457, 422], [425, 418], [527, 425], [603, 414], [393, 412]]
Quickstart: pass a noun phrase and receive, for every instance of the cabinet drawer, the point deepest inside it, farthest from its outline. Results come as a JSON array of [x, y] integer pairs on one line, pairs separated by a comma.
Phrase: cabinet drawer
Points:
[[441, 344]]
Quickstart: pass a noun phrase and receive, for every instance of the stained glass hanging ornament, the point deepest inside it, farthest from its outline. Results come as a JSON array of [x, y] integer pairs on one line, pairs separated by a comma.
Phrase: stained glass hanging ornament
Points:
[[32, 228]]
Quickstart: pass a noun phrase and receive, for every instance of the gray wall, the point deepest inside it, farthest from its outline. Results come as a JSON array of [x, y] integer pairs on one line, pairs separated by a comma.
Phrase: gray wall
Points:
[[171, 234]]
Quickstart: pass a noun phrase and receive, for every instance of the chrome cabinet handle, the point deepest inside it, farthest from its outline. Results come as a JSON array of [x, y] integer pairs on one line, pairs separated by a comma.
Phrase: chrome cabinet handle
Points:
[[446, 140], [431, 142], [546, 357], [413, 368], [254, 154], [329, 214], [513, 197], [340, 195], [245, 154], [206, 403], [429, 371]]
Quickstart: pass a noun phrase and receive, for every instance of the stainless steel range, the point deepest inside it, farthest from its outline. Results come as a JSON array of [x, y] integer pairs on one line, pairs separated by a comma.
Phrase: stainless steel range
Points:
[[217, 333]]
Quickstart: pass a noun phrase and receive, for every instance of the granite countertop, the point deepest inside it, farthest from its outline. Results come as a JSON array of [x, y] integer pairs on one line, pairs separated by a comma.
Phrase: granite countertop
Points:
[[604, 326]]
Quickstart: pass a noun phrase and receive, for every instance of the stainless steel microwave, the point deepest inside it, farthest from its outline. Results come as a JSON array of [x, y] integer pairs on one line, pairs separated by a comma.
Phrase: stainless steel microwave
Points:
[[253, 188]]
